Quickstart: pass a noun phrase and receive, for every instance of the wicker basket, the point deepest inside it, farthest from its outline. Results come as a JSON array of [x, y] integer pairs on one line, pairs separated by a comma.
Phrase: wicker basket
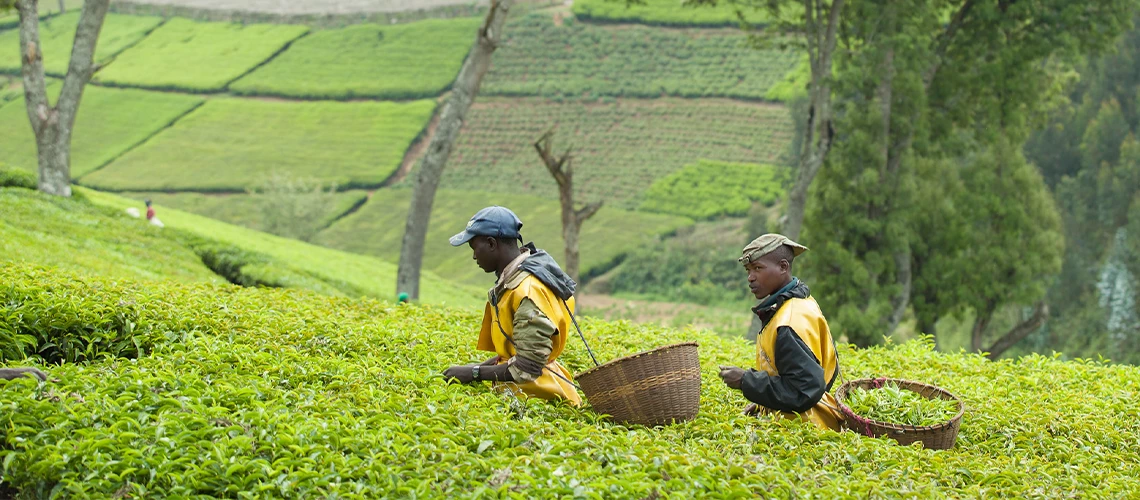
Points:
[[935, 437], [656, 387]]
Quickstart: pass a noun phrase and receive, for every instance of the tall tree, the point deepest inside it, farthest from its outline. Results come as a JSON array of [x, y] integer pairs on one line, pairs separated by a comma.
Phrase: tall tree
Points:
[[53, 125], [562, 169], [454, 113]]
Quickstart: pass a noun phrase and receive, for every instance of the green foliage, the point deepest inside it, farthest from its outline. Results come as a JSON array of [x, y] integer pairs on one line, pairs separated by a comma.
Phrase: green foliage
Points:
[[110, 122], [290, 394], [577, 59], [75, 236], [293, 207], [231, 144], [664, 12], [620, 147], [197, 57], [697, 265], [11, 88], [377, 229], [794, 83], [57, 35], [710, 189], [242, 209], [351, 274], [404, 61], [10, 177], [895, 405]]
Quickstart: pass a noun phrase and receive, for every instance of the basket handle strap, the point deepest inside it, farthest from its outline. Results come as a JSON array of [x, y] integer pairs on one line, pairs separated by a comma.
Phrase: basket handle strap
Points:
[[576, 327]]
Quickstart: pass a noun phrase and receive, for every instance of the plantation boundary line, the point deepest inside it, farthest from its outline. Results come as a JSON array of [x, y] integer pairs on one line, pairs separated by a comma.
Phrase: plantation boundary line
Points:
[[127, 47], [351, 210], [140, 143], [267, 60]]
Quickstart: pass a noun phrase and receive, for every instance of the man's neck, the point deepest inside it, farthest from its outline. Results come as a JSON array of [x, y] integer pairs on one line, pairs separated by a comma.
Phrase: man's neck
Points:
[[509, 255]]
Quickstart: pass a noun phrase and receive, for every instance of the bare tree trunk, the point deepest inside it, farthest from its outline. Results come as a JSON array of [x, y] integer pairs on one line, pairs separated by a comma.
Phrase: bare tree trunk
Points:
[[1019, 332], [977, 335], [817, 143], [563, 172], [451, 121], [52, 126], [62, 6]]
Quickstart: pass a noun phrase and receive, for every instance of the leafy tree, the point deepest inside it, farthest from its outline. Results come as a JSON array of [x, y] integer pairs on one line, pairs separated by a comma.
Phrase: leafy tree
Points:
[[293, 207]]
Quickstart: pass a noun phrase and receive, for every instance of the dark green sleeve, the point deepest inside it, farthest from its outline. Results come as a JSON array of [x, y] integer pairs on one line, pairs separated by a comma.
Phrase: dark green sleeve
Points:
[[800, 384]]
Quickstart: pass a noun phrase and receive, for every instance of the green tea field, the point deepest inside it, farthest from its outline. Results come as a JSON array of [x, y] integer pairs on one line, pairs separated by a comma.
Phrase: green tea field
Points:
[[57, 33], [620, 147], [240, 209], [663, 12], [229, 144], [378, 228], [404, 61], [708, 189]]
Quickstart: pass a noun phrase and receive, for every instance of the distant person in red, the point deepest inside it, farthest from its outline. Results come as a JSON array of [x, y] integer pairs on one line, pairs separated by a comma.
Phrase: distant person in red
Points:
[[150, 215]]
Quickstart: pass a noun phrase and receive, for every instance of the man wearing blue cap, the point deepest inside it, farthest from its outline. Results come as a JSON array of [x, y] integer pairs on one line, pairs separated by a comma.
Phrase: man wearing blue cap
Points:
[[527, 317]]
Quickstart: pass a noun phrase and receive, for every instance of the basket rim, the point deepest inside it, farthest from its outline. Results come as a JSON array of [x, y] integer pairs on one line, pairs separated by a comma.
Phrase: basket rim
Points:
[[842, 391], [634, 356]]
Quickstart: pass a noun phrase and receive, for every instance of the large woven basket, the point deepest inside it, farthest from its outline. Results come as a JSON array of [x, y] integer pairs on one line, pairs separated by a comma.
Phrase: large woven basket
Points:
[[935, 437], [656, 387]]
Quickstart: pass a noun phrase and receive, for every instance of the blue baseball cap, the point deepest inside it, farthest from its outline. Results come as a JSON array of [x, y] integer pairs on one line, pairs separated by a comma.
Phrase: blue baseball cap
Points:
[[496, 221]]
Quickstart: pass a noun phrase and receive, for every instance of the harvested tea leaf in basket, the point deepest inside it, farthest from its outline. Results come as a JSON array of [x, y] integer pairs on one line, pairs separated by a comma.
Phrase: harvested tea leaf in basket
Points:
[[892, 404]]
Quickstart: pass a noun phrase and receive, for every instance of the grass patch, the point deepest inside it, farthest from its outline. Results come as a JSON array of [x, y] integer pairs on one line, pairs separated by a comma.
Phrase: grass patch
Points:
[[196, 56], [663, 13], [350, 273], [620, 147], [709, 189], [377, 229], [291, 394], [80, 237], [577, 60], [110, 121], [238, 209], [57, 35], [229, 144], [406, 61]]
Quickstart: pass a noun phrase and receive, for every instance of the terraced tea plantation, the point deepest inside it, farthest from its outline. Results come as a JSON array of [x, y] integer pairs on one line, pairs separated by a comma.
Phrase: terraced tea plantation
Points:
[[240, 208], [110, 122], [578, 59], [197, 57], [710, 189], [407, 61], [229, 144], [187, 390], [663, 12], [57, 35], [620, 147], [378, 229]]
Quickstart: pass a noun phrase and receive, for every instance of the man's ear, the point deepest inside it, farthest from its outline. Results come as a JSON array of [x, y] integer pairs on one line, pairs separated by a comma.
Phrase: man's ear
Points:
[[492, 244], [785, 266]]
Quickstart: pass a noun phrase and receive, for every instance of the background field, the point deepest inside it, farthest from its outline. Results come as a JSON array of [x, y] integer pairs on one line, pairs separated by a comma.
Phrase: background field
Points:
[[238, 209], [578, 59], [351, 274], [229, 144], [403, 61], [620, 147], [57, 35], [708, 189], [197, 57], [110, 121], [378, 229], [662, 12]]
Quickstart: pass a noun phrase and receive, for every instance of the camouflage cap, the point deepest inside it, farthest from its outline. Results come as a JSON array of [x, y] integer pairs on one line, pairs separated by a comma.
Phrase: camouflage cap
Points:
[[766, 244]]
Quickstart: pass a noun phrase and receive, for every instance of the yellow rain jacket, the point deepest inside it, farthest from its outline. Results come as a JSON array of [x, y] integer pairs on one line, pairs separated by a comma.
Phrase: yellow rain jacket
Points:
[[498, 326], [804, 317]]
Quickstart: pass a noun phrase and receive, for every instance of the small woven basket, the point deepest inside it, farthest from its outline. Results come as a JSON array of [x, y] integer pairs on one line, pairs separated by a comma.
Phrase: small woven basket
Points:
[[656, 387], [935, 437]]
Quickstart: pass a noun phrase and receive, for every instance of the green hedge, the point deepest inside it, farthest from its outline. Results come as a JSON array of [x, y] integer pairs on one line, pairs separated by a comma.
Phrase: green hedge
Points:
[[272, 393], [710, 189], [405, 61]]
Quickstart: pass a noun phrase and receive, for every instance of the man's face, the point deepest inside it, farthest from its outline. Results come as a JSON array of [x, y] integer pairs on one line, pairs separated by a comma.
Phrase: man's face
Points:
[[766, 277], [483, 251]]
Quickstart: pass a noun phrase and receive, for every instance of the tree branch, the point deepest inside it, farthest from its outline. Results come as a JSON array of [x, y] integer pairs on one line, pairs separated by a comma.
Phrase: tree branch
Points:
[[944, 41], [588, 211], [32, 65], [1019, 332], [82, 64]]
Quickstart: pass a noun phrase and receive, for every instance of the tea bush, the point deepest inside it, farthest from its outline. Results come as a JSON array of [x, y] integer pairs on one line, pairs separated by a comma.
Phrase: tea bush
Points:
[[281, 393], [662, 12], [10, 177], [710, 189], [110, 122], [57, 35], [404, 61], [229, 144], [197, 56]]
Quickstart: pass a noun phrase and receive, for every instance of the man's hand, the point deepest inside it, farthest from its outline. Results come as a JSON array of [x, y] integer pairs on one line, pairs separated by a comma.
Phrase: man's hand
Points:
[[731, 376], [459, 374], [11, 373], [751, 410]]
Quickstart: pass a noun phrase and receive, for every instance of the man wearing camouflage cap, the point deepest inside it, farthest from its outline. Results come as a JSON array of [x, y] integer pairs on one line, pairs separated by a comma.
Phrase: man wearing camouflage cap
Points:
[[796, 362]]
